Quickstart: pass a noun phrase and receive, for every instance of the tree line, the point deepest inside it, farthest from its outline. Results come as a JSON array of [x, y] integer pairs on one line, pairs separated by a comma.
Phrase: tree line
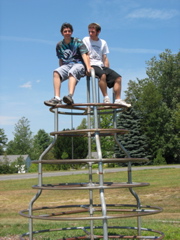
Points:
[[153, 122]]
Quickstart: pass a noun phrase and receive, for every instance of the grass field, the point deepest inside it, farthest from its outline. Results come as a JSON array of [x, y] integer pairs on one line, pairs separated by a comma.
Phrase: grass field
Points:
[[164, 191]]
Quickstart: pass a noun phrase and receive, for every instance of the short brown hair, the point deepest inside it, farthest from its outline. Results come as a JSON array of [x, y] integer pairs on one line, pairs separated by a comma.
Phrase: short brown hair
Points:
[[96, 26]]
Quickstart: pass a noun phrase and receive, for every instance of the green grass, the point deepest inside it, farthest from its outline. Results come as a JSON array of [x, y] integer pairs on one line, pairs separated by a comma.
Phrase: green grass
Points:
[[164, 191]]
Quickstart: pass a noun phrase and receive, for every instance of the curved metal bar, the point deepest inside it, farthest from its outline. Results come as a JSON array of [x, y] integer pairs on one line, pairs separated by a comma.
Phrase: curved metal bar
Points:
[[113, 236], [89, 186], [40, 176], [117, 210]]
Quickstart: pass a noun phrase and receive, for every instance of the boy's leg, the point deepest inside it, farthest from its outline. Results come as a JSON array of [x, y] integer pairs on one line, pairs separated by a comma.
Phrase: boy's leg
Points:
[[75, 73], [102, 82], [113, 79], [117, 88], [57, 84], [60, 74], [117, 93], [71, 84], [103, 85]]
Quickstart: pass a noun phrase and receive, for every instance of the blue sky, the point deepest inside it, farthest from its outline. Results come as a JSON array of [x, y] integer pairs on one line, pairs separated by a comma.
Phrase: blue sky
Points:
[[135, 30]]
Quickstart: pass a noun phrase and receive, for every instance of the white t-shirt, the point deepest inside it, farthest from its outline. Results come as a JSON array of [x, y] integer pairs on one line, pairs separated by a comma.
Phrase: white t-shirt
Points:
[[96, 50]]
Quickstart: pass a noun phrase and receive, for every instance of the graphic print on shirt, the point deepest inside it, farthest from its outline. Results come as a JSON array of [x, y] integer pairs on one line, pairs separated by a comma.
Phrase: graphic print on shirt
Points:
[[67, 53], [95, 51], [71, 52]]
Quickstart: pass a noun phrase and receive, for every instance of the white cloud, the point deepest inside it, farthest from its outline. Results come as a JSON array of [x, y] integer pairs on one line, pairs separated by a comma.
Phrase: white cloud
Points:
[[26, 85], [153, 13], [5, 120], [136, 50], [38, 81]]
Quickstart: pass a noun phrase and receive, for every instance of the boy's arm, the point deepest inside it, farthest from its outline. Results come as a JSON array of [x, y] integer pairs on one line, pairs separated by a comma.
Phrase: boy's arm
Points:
[[105, 60], [60, 62], [86, 60]]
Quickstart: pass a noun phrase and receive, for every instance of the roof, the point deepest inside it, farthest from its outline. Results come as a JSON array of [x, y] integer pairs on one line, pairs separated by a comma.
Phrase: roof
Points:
[[13, 158]]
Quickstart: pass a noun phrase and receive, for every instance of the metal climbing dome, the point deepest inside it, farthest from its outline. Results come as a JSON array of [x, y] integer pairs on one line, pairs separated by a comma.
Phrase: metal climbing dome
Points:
[[92, 212]]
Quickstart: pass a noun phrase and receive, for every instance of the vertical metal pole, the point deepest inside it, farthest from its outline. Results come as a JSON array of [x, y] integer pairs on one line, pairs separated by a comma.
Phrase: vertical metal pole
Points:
[[100, 164], [91, 210], [90, 156], [72, 140], [88, 117], [129, 174]]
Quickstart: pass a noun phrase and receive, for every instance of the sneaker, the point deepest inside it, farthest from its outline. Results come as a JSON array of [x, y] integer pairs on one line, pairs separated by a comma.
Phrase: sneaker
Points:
[[68, 100], [121, 102], [106, 100], [53, 102]]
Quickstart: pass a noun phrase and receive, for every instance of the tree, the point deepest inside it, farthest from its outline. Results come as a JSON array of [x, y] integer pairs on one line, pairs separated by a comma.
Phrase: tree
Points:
[[156, 99], [165, 73], [64, 148], [3, 141], [40, 142], [135, 141], [6, 166], [107, 142], [83, 124], [64, 145], [22, 143]]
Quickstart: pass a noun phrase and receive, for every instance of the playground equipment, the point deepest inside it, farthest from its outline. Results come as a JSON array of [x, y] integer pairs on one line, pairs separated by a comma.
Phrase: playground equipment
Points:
[[91, 212]]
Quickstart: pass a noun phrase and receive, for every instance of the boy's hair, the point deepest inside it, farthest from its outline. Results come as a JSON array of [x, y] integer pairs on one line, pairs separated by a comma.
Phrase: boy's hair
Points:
[[66, 25], [96, 26]]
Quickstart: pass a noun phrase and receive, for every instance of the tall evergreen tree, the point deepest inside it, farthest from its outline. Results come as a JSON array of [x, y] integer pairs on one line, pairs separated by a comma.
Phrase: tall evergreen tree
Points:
[[135, 141], [40, 142], [22, 143]]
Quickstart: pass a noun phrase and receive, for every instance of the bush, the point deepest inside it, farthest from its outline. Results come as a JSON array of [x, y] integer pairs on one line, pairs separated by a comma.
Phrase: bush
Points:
[[6, 167], [159, 160]]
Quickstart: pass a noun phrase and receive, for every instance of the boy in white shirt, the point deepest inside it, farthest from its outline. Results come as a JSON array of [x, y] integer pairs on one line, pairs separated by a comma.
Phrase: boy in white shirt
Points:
[[98, 50]]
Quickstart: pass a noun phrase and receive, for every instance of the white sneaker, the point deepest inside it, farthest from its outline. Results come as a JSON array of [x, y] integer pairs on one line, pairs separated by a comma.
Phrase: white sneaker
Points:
[[106, 100], [121, 102]]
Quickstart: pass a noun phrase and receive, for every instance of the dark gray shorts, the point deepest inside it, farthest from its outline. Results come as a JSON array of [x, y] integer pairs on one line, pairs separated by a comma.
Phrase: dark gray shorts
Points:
[[111, 75]]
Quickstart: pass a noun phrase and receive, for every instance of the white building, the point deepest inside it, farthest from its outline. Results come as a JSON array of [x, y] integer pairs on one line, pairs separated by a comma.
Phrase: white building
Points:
[[12, 158]]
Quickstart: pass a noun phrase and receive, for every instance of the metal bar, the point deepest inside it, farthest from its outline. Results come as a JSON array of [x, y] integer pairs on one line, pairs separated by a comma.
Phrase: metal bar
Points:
[[100, 164], [89, 116], [90, 156], [91, 208], [40, 176]]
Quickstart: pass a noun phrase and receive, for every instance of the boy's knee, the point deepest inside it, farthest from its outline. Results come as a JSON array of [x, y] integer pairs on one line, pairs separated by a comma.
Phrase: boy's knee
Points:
[[103, 77], [56, 74], [118, 80]]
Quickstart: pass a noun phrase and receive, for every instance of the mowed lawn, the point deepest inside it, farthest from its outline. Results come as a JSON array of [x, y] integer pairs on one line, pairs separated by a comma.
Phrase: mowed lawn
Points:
[[163, 191]]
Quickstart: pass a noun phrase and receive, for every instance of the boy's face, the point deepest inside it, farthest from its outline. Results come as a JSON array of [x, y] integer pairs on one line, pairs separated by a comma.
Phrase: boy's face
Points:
[[93, 33], [67, 33]]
